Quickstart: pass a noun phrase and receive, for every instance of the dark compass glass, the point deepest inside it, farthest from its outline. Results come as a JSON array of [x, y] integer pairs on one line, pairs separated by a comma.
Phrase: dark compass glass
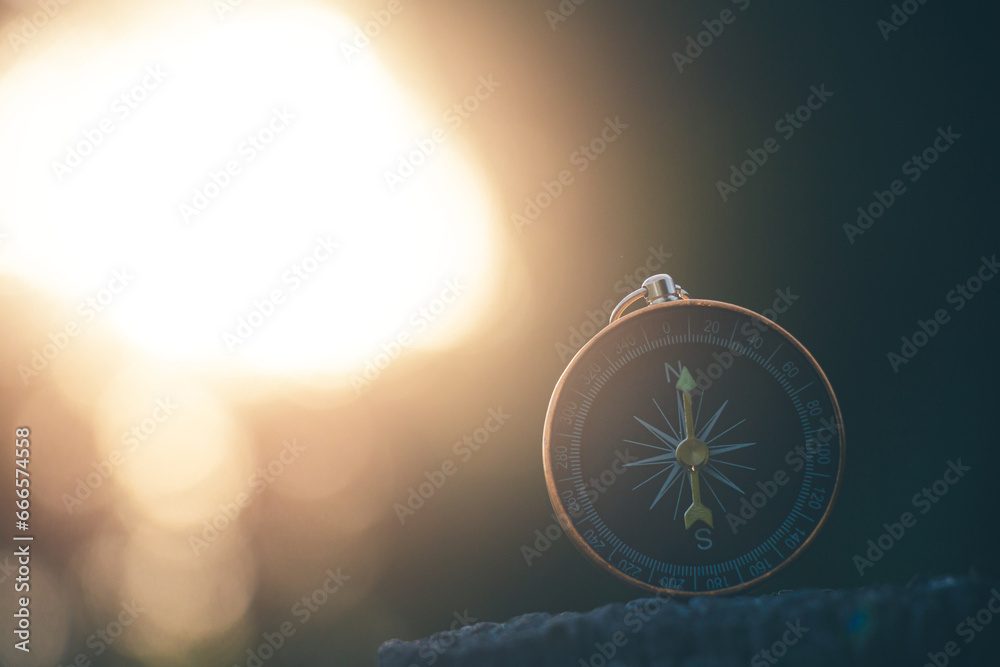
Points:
[[693, 447]]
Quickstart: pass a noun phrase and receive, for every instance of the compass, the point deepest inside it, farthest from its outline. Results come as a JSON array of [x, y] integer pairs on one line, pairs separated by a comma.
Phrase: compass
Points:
[[693, 446]]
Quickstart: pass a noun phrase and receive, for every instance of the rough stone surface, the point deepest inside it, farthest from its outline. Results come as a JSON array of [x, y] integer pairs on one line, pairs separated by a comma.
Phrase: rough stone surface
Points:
[[910, 625]]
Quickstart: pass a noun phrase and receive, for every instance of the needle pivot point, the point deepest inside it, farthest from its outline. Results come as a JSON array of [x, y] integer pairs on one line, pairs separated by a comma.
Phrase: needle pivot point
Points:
[[692, 454]]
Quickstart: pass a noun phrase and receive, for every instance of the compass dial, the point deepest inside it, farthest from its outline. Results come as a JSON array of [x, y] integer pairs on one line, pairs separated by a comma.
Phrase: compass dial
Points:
[[693, 447]]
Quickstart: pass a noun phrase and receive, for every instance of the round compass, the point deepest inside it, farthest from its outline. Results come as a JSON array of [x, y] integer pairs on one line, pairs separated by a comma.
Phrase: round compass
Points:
[[692, 447]]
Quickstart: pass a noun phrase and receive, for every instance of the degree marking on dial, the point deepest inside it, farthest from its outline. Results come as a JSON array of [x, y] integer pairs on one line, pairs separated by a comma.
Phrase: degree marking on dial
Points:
[[804, 516], [774, 353], [794, 393]]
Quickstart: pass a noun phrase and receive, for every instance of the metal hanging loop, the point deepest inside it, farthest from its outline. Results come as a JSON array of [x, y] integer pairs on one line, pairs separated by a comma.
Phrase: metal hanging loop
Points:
[[656, 289]]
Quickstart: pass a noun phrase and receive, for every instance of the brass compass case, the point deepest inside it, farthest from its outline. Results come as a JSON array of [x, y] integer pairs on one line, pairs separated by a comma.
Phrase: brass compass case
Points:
[[730, 432]]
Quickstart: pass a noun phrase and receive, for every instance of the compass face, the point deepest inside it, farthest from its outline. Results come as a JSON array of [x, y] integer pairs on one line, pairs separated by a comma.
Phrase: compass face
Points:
[[693, 447]]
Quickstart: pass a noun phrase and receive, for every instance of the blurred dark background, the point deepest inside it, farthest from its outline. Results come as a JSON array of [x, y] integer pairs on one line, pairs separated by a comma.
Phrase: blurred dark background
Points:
[[459, 555]]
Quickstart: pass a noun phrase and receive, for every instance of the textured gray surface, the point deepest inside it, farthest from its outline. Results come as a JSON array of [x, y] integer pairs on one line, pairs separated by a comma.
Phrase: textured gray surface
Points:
[[865, 626]]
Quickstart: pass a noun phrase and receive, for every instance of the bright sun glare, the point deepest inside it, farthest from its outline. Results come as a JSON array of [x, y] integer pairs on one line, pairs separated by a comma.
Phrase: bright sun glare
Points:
[[218, 186]]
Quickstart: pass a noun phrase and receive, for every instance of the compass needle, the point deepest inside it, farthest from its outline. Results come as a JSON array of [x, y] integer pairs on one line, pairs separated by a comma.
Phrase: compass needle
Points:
[[697, 511], [692, 453]]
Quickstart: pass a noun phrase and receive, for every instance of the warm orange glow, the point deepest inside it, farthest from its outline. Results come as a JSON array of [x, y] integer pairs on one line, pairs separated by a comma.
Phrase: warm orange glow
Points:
[[219, 189], [201, 199]]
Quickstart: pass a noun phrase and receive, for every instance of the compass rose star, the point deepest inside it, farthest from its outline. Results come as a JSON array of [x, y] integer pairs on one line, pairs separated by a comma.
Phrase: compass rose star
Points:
[[668, 437]]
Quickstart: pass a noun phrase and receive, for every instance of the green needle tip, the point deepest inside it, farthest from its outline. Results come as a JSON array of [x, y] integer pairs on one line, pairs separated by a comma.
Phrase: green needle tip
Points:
[[686, 383]]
